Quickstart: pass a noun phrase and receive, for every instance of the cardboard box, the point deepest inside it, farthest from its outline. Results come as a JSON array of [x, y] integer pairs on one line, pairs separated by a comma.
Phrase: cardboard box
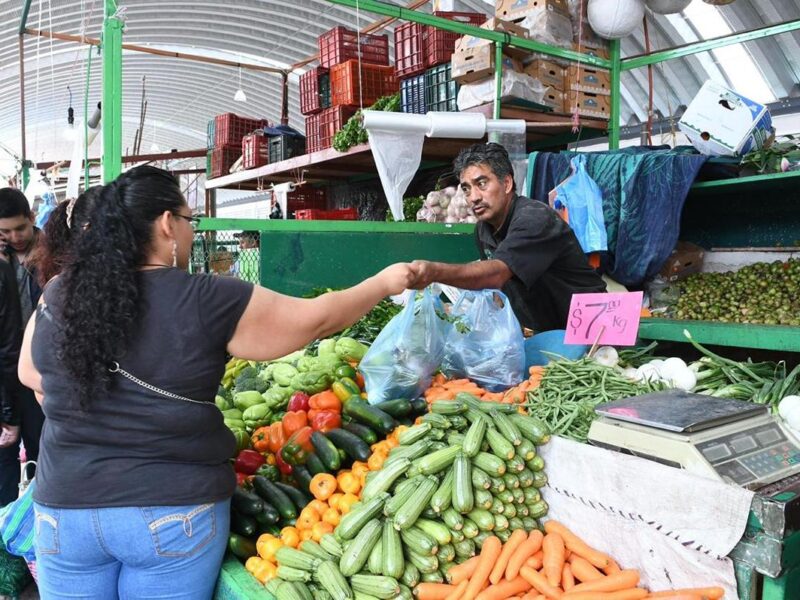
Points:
[[686, 259], [589, 79], [555, 100], [595, 52], [589, 39], [495, 24], [721, 122], [589, 105], [516, 9], [473, 64], [549, 73]]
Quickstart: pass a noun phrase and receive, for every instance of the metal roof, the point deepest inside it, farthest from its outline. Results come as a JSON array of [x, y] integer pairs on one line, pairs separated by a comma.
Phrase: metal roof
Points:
[[183, 95]]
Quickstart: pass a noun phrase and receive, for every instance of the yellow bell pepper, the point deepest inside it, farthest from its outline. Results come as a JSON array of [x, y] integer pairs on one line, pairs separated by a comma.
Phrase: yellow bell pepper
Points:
[[261, 569]]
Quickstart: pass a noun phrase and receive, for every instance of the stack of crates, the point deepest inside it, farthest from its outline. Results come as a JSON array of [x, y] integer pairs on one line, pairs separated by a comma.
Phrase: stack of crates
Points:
[[303, 199], [228, 132], [331, 93], [422, 62], [255, 151]]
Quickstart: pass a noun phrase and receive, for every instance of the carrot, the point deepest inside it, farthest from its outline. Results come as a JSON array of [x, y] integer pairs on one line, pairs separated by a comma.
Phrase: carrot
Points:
[[539, 582], [504, 589], [458, 591], [525, 550], [515, 541], [463, 571], [433, 591], [583, 570], [629, 594], [490, 552], [553, 558], [567, 579], [577, 545], [535, 561], [611, 583], [677, 596], [612, 568], [533, 595], [712, 593]]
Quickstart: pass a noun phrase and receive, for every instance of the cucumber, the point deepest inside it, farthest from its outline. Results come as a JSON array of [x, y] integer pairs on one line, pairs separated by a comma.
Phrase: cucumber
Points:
[[480, 479], [393, 563], [463, 498], [326, 451], [357, 553], [352, 523], [532, 428], [360, 411], [395, 408], [302, 476], [474, 437], [375, 560], [500, 446], [470, 529], [246, 503], [483, 499], [353, 445], [411, 574], [413, 507], [298, 498], [241, 547], [419, 406], [243, 524], [315, 465], [442, 497]]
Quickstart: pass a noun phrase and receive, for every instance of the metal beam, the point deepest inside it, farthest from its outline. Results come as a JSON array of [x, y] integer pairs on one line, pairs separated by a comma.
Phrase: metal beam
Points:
[[135, 158], [112, 92], [635, 62], [398, 12], [25, 173], [616, 93], [26, 8]]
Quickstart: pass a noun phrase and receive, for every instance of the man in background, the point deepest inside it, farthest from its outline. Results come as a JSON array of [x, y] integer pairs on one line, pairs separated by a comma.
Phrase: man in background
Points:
[[247, 265]]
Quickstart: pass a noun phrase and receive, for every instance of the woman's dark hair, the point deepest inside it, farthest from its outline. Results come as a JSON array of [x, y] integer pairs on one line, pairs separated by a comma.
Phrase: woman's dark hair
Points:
[[55, 250], [492, 155], [101, 282]]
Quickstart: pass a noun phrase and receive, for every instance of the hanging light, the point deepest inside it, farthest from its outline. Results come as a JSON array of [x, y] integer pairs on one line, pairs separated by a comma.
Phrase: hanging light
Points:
[[69, 130], [240, 96]]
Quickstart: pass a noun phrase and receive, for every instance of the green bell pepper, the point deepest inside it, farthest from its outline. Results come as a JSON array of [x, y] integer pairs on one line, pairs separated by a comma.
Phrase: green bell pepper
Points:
[[244, 400], [269, 472], [276, 417], [312, 382], [282, 374]]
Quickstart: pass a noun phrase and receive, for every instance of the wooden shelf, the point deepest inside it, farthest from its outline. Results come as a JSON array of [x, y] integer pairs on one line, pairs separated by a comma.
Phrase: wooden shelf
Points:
[[741, 335]]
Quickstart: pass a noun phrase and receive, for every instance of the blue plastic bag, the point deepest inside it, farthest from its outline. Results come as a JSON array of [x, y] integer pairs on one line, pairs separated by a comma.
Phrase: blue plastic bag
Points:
[[405, 355], [485, 342], [583, 200]]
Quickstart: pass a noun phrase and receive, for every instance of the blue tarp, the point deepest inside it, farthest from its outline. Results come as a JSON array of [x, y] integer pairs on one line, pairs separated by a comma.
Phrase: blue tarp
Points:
[[644, 189]]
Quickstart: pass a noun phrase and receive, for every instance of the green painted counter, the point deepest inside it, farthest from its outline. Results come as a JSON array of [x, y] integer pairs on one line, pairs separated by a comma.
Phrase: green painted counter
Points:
[[766, 337]]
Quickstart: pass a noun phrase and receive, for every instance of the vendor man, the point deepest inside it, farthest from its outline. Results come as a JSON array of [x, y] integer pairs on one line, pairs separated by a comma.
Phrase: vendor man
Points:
[[527, 249]]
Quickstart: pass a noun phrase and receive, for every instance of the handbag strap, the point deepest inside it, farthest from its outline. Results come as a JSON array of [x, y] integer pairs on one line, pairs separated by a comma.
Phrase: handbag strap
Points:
[[117, 369]]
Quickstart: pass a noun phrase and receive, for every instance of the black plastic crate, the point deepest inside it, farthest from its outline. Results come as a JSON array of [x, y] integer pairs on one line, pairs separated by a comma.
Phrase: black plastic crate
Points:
[[441, 92], [284, 147], [325, 90], [210, 135], [412, 95]]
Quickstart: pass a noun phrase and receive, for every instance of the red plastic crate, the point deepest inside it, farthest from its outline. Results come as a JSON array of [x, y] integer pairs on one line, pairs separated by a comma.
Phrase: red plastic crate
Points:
[[342, 214], [409, 51], [310, 98], [222, 159], [341, 44], [255, 151], [440, 44], [376, 81], [306, 198], [229, 129], [313, 140], [332, 120]]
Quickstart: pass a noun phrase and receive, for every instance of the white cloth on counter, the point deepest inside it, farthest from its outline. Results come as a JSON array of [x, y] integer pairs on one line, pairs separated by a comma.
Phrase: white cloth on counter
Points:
[[676, 528]]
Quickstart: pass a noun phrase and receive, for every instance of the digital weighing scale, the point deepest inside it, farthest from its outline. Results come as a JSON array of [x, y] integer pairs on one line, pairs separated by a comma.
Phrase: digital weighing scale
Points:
[[737, 442]]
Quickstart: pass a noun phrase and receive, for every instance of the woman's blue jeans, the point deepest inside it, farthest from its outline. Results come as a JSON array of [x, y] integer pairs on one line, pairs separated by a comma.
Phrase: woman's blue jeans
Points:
[[133, 553]]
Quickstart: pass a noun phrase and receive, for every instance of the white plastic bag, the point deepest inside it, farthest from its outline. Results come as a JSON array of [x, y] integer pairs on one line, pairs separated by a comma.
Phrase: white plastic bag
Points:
[[515, 85], [549, 27]]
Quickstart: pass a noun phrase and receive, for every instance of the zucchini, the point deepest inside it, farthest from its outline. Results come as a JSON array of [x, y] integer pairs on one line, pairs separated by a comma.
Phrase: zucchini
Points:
[[507, 427], [536, 463], [503, 535], [375, 560], [356, 554], [506, 496], [326, 451], [268, 516], [480, 479], [490, 463], [384, 479], [474, 415], [500, 523], [498, 485], [352, 523], [468, 399], [525, 478], [296, 559], [298, 498], [448, 407], [519, 495], [437, 421], [362, 431], [302, 477], [437, 530], [241, 547], [272, 585], [392, 563], [458, 422], [500, 446], [538, 510], [418, 541], [292, 574], [457, 536], [532, 428], [522, 511], [425, 564], [246, 503], [453, 519], [511, 481], [539, 479], [515, 464], [470, 529], [474, 437], [405, 593], [483, 499], [288, 591], [481, 537], [532, 495], [353, 445], [376, 585], [411, 574], [395, 408], [412, 452], [435, 577], [456, 439], [446, 554], [530, 523], [359, 410], [429, 513], [482, 518], [442, 496], [419, 406], [413, 507], [414, 434], [314, 549], [497, 507], [315, 465], [332, 580], [438, 461], [331, 545], [465, 549], [243, 524], [437, 435], [514, 523], [401, 495], [526, 450], [463, 499]]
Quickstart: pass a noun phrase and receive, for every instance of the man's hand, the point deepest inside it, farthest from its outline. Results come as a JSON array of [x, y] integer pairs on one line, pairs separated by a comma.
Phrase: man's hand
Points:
[[426, 274], [9, 435]]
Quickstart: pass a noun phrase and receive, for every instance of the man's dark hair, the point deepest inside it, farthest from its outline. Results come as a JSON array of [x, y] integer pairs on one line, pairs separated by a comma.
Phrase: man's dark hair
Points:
[[492, 155], [13, 203]]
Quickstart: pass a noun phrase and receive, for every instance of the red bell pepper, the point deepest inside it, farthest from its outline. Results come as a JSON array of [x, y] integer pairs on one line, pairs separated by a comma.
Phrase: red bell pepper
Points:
[[277, 438], [284, 467], [241, 479], [298, 401], [248, 462], [293, 421], [325, 420], [298, 447]]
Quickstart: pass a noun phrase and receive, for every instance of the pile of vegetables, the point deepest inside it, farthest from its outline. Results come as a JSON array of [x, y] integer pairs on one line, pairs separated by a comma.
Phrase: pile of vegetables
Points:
[[353, 132], [367, 328], [466, 473], [446, 206], [767, 293], [411, 206], [447, 389]]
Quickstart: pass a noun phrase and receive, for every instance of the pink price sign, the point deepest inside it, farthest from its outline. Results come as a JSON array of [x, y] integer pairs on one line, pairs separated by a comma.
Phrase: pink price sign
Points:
[[609, 319]]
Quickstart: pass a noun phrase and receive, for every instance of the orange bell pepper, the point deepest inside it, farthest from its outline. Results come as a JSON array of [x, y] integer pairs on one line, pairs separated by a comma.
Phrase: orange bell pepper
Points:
[[294, 420], [277, 438], [326, 400], [260, 439]]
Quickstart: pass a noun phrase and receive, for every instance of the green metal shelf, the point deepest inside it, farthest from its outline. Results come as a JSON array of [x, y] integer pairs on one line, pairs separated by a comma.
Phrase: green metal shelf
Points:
[[764, 337], [235, 583], [753, 183]]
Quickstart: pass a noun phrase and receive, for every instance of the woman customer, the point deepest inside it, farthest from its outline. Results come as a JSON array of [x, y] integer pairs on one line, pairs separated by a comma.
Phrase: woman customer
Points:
[[134, 480]]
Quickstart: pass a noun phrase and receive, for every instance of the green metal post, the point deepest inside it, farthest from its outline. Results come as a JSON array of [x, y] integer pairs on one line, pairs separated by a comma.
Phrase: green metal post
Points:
[[616, 93], [26, 174], [23, 22], [112, 92], [498, 78]]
